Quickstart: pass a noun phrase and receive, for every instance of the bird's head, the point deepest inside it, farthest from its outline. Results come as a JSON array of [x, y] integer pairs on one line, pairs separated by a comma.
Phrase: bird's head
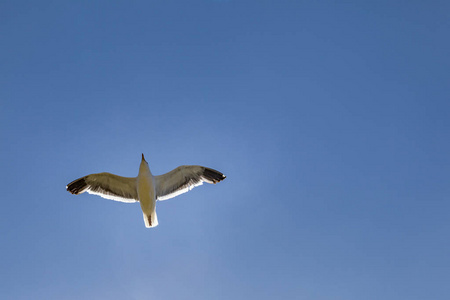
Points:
[[143, 161], [144, 164]]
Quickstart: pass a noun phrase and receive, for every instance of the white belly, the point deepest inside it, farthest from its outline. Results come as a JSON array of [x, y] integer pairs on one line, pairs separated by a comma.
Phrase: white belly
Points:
[[146, 193]]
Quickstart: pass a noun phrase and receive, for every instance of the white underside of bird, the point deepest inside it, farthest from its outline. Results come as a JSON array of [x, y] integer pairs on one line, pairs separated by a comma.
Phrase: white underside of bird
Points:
[[145, 188]]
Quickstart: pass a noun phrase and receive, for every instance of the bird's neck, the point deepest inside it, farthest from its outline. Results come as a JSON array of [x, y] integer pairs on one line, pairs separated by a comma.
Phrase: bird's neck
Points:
[[144, 170]]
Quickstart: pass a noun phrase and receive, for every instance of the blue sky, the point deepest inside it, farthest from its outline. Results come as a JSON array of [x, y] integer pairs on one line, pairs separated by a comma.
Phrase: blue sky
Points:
[[330, 120]]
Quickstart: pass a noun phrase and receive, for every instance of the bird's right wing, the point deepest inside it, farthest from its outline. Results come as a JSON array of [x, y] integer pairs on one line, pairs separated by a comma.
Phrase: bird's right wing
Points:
[[184, 179], [106, 185]]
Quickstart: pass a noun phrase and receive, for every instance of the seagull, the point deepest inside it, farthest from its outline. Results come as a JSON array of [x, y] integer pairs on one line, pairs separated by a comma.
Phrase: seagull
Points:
[[145, 188]]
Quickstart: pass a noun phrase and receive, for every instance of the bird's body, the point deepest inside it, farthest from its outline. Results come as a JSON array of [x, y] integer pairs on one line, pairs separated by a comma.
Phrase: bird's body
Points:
[[146, 194], [145, 188]]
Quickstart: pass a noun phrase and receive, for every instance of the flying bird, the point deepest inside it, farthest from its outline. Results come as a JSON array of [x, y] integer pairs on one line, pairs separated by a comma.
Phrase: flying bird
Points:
[[145, 188]]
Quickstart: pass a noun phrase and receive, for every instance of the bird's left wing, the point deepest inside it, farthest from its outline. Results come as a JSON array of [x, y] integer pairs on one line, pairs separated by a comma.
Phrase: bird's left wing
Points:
[[184, 179], [106, 185]]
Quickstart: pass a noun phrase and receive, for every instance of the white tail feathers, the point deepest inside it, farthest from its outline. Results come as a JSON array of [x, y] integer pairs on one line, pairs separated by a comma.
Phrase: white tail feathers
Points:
[[151, 220]]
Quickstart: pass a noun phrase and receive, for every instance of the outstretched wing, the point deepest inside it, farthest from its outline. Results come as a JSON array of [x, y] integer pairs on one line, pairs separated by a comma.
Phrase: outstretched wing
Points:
[[106, 185], [184, 179]]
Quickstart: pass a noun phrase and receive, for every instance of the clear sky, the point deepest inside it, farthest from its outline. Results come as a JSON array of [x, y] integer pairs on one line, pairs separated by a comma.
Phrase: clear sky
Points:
[[329, 118]]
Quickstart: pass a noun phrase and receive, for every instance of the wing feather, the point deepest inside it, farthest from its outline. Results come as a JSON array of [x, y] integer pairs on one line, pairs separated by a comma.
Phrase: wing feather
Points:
[[184, 179], [106, 185]]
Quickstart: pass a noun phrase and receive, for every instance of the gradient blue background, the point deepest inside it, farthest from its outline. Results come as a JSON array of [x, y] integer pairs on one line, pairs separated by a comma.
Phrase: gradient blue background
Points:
[[330, 120]]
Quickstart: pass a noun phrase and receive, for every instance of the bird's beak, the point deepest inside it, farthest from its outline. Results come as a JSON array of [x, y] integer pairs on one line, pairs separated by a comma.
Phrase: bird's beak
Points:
[[143, 157]]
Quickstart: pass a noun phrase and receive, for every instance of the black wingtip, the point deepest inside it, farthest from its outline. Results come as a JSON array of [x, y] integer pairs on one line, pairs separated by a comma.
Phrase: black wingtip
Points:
[[213, 175], [77, 186]]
